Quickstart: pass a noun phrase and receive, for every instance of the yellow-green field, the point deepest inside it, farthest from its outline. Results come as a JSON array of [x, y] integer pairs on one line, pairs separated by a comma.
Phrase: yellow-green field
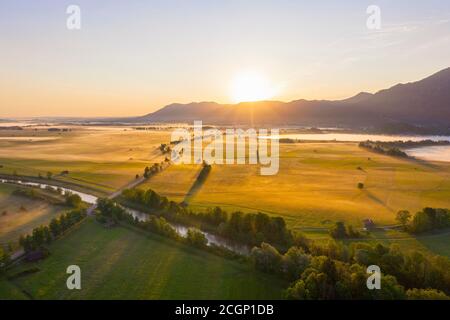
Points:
[[103, 159], [174, 182], [20, 215], [317, 184]]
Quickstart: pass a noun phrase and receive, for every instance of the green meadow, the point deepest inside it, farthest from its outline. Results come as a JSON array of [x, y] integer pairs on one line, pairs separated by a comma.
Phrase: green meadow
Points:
[[122, 263]]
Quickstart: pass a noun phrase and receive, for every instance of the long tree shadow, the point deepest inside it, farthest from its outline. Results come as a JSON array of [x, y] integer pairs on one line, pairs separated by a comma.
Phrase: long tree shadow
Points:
[[197, 185], [377, 200]]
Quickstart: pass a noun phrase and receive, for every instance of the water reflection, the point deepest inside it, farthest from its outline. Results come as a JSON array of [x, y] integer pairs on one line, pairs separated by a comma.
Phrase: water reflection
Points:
[[433, 153], [182, 231], [84, 196], [354, 137]]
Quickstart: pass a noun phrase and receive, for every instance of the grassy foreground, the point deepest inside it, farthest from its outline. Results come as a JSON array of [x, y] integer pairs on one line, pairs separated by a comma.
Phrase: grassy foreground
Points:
[[120, 263]]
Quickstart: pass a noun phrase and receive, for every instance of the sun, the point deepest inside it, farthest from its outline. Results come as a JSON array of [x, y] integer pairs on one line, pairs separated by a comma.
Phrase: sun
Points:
[[251, 86]]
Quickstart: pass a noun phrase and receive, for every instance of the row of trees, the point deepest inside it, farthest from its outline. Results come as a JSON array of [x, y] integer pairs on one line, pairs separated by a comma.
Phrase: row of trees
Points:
[[154, 168], [49, 175], [428, 219], [252, 228], [255, 228], [318, 271], [45, 234], [381, 147], [108, 210], [341, 231]]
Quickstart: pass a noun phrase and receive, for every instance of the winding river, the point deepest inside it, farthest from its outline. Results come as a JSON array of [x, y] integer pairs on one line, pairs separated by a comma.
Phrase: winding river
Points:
[[141, 216]]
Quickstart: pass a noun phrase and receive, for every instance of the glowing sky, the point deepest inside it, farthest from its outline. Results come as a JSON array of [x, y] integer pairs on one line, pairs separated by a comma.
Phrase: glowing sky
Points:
[[133, 57]]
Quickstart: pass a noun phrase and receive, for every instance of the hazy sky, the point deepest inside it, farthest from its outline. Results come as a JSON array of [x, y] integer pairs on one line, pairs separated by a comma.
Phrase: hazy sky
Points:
[[133, 57]]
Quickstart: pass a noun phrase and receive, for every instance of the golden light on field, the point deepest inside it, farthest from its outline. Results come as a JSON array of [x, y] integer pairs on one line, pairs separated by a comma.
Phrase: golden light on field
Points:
[[251, 86]]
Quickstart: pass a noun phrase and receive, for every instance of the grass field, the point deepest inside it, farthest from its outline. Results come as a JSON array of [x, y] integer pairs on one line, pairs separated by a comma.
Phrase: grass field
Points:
[[22, 214], [174, 182], [120, 263], [100, 159], [317, 184], [432, 244]]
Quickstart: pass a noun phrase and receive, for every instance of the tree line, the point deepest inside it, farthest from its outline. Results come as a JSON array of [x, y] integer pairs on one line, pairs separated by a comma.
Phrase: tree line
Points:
[[316, 271], [331, 271], [108, 210], [381, 147], [43, 235], [429, 219], [251, 228], [341, 231], [338, 271], [154, 168]]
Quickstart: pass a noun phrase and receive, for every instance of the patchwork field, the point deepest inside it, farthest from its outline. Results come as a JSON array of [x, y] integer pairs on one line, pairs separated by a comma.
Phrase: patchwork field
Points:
[[120, 263], [19, 215], [316, 184]]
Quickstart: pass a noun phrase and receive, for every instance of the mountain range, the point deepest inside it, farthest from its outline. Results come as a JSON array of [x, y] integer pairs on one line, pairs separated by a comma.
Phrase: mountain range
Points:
[[421, 103]]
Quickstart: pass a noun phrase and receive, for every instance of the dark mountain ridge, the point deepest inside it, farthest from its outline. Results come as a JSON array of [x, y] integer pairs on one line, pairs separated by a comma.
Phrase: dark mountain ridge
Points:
[[421, 103]]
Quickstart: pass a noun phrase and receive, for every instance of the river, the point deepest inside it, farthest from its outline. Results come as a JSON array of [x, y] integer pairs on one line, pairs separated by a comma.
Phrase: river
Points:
[[141, 216]]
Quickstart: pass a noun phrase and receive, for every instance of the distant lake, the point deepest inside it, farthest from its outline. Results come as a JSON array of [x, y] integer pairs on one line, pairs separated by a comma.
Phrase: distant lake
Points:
[[435, 153], [29, 139], [355, 137]]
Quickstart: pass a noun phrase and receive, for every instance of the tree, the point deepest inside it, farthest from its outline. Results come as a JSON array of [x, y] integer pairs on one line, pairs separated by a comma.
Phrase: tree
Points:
[[294, 262], [49, 175], [421, 223], [338, 231], [55, 227], [390, 290], [360, 185], [146, 172], [73, 200], [403, 217], [4, 259], [266, 258], [196, 238], [352, 233]]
